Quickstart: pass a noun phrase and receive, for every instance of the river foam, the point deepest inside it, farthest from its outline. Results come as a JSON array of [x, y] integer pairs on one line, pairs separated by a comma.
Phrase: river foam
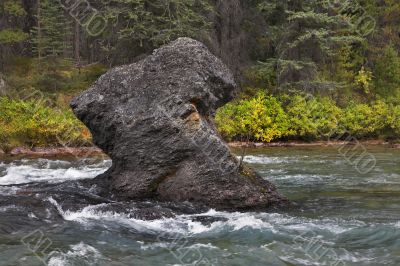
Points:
[[226, 222], [337, 210], [49, 171], [78, 253]]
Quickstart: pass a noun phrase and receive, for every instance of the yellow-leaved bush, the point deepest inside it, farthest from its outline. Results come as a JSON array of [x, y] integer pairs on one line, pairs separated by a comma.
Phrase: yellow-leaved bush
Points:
[[363, 120], [262, 118], [267, 118], [31, 123], [312, 117]]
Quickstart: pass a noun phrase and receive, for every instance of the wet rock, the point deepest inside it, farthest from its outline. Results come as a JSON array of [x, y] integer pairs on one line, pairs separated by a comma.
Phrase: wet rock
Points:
[[152, 214], [208, 220], [154, 118]]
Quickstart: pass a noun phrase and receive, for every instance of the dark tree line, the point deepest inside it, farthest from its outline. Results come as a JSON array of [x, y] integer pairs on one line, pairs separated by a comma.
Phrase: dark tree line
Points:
[[306, 45]]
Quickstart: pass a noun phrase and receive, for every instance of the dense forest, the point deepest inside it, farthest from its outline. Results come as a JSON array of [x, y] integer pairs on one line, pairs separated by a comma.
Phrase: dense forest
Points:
[[308, 69]]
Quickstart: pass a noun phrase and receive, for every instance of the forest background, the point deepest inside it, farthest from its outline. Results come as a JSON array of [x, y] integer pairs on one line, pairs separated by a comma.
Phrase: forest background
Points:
[[308, 69]]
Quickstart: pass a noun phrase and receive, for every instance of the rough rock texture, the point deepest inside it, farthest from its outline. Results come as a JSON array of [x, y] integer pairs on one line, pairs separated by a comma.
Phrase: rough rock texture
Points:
[[154, 119]]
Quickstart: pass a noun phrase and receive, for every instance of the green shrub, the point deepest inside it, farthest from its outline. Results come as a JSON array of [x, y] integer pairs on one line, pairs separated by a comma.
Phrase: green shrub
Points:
[[31, 123], [364, 121], [261, 75], [312, 118], [260, 118], [395, 121], [268, 118]]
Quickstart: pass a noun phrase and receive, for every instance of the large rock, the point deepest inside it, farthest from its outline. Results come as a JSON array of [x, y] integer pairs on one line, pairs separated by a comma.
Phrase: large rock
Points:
[[154, 119]]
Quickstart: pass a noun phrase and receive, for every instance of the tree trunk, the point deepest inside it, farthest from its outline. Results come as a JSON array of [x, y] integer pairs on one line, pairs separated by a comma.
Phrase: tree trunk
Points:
[[77, 45], [39, 44], [228, 36], [230, 40]]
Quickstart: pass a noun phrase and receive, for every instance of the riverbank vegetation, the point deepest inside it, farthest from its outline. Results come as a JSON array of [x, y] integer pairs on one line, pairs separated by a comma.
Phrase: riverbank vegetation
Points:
[[33, 124], [268, 118], [309, 70], [34, 108]]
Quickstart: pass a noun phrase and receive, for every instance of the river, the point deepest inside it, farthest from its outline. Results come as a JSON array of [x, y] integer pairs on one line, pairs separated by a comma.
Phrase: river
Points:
[[340, 216]]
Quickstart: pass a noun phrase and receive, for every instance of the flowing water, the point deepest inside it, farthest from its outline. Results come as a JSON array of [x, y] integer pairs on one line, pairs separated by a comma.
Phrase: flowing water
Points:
[[339, 217]]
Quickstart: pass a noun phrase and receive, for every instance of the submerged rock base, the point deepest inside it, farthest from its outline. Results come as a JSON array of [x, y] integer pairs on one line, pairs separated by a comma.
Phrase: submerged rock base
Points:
[[154, 118]]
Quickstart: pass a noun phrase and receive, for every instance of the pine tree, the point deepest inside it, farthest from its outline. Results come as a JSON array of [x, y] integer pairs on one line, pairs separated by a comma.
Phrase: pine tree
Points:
[[307, 35], [387, 72], [51, 35], [10, 33], [143, 25], [159, 21]]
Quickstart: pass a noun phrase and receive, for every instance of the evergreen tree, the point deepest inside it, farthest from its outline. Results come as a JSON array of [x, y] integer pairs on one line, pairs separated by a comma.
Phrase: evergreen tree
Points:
[[10, 33], [307, 35], [387, 72], [143, 25], [51, 35], [383, 47]]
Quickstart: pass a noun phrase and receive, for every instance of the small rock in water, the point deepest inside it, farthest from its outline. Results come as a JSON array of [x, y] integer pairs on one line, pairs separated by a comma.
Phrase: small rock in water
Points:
[[208, 220], [154, 118]]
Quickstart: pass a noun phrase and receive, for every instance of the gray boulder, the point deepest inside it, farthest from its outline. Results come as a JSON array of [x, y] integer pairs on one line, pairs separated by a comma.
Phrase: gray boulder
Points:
[[154, 119]]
